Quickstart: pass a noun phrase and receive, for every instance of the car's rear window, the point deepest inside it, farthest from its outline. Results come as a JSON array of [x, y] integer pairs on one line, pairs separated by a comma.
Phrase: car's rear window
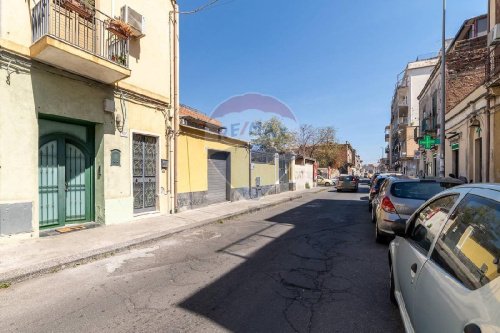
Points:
[[379, 183], [416, 190], [346, 178]]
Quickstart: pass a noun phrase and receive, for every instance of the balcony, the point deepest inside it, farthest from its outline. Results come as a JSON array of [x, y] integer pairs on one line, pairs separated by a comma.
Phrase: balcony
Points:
[[429, 125], [387, 138], [84, 46], [403, 102]]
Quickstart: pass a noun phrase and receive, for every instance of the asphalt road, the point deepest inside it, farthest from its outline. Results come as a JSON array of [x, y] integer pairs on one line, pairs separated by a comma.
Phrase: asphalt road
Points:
[[310, 265]]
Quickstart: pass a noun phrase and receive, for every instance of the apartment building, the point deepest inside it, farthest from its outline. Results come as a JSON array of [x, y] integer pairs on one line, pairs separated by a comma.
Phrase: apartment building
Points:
[[485, 122], [405, 114], [89, 97], [466, 99]]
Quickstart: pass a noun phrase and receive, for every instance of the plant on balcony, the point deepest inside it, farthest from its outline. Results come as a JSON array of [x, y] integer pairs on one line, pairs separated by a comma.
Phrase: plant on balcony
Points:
[[84, 8], [119, 28], [119, 59]]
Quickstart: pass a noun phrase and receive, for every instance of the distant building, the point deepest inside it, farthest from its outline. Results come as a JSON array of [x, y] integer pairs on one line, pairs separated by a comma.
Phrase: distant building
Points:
[[465, 73], [346, 158], [405, 114]]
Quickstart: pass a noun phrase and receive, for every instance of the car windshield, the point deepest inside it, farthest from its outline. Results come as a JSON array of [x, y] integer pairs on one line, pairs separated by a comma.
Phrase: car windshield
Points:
[[416, 190]]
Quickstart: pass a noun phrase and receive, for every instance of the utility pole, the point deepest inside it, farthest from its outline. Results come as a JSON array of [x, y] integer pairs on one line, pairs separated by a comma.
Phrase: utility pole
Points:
[[443, 95]]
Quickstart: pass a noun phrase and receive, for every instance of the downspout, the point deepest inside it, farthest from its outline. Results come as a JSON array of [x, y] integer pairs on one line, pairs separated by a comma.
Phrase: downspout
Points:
[[249, 172], [488, 138], [176, 98]]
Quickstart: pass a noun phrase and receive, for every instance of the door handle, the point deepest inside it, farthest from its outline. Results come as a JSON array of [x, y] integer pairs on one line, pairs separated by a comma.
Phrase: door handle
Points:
[[66, 186], [413, 271]]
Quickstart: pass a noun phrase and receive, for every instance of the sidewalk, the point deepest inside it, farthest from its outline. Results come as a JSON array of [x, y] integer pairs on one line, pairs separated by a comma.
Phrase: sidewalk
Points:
[[27, 258]]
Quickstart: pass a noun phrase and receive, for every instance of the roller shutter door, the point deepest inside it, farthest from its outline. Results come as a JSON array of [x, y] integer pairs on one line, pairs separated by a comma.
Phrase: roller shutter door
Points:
[[217, 177]]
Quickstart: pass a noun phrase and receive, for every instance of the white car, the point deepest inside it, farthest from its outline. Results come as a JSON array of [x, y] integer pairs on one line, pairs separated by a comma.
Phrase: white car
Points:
[[325, 181], [445, 263]]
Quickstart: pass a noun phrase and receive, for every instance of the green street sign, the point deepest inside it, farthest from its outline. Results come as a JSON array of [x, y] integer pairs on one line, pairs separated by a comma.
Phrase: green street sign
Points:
[[428, 142], [454, 146]]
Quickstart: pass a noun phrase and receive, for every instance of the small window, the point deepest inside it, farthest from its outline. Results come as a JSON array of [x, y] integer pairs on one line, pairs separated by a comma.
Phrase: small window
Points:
[[429, 221], [469, 246]]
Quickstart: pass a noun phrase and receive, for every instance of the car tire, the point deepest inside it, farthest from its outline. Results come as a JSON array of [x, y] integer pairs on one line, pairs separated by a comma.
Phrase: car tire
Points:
[[373, 215], [369, 207], [379, 238], [338, 190], [392, 289], [327, 184]]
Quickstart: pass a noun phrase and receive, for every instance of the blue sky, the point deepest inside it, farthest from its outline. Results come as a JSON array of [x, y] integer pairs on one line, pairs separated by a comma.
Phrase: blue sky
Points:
[[333, 62]]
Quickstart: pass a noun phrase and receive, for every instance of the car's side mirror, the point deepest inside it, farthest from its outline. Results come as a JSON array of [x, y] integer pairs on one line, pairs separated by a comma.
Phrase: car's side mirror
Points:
[[399, 227]]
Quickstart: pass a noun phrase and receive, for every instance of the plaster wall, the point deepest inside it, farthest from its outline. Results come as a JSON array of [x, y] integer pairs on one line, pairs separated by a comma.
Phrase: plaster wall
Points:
[[192, 173], [266, 172]]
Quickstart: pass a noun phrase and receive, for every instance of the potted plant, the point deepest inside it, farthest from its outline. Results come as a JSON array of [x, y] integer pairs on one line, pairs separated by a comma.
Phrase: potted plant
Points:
[[119, 28], [119, 59], [84, 8]]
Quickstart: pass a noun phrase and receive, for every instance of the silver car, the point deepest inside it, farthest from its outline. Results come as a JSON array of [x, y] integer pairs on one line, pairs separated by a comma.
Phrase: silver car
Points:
[[347, 183], [445, 263], [399, 197]]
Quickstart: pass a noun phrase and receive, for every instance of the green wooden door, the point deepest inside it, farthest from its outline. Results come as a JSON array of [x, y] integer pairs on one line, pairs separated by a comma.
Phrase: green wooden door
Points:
[[48, 188], [64, 182]]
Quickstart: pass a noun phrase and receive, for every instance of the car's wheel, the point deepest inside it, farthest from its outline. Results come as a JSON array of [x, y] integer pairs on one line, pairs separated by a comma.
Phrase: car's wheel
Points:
[[327, 184], [392, 289], [339, 190], [379, 238], [369, 207]]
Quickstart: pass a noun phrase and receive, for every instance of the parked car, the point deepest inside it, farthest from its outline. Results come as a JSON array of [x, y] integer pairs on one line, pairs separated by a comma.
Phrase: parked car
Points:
[[445, 262], [365, 181], [400, 197], [347, 182], [374, 189], [325, 181]]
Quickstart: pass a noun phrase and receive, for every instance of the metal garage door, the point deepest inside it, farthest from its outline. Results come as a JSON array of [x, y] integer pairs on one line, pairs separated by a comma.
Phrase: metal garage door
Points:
[[217, 177]]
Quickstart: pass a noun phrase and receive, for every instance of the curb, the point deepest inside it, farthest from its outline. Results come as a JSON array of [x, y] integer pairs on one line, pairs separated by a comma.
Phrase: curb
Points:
[[56, 265]]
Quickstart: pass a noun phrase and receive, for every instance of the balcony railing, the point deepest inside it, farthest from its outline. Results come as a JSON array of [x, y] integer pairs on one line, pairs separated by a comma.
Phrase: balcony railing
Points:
[[88, 34], [403, 102], [403, 121], [493, 64]]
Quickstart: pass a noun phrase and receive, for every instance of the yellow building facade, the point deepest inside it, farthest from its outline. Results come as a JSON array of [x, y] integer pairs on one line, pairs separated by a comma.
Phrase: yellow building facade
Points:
[[87, 114]]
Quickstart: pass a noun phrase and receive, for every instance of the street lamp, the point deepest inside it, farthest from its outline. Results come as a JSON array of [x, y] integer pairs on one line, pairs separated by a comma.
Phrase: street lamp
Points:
[[443, 94]]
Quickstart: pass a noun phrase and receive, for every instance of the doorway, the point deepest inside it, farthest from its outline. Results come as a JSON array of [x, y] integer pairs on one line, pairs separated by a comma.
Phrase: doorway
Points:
[[145, 161], [478, 160], [65, 185]]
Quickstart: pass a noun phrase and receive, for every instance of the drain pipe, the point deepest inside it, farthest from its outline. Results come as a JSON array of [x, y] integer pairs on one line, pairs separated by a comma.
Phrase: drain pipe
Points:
[[488, 138], [175, 16]]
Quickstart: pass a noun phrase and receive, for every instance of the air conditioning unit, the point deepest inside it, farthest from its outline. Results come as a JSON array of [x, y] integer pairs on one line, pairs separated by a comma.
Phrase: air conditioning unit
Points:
[[494, 35], [135, 20]]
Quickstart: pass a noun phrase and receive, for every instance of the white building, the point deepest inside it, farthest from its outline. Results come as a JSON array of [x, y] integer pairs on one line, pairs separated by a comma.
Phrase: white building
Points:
[[405, 114]]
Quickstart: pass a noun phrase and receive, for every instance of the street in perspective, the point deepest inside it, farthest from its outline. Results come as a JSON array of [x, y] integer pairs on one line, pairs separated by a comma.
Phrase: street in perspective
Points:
[[249, 166]]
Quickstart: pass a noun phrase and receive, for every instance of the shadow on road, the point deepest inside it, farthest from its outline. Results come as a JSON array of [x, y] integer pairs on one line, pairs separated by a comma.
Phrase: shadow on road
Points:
[[325, 273]]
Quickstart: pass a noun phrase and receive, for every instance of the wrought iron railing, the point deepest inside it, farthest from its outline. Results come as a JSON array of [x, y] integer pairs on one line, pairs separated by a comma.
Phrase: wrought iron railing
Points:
[[91, 34], [493, 64]]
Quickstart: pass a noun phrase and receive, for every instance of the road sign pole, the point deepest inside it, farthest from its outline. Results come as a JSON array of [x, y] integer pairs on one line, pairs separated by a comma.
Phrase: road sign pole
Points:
[[443, 95]]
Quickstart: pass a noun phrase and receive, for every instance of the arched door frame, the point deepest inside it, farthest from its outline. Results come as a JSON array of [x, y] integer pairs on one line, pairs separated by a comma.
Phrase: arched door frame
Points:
[[62, 139]]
